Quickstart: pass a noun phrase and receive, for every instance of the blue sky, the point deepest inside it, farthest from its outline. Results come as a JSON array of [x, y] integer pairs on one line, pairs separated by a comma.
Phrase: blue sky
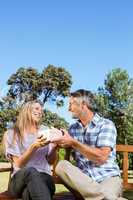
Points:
[[87, 37]]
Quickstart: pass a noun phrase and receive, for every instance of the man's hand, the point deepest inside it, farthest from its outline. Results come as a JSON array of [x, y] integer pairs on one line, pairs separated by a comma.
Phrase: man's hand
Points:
[[64, 140]]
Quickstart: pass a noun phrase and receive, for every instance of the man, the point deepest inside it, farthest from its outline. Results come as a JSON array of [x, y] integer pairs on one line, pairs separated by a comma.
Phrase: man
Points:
[[92, 138]]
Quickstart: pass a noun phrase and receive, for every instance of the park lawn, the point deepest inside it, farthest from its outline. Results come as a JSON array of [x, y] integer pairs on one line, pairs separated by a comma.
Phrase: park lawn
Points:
[[4, 177]]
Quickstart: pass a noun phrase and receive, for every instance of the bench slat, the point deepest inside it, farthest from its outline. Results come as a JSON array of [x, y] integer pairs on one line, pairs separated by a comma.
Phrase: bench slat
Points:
[[124, 148]]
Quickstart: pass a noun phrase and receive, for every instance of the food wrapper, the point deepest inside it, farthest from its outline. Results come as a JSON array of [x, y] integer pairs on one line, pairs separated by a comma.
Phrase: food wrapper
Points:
[[49, 133]]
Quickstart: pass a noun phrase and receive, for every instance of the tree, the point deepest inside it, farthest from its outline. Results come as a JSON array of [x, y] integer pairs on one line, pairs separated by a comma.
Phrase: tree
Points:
[[115, 101], [52, 119], [56, 82], [53, 84], [25, 85], [7, 116]]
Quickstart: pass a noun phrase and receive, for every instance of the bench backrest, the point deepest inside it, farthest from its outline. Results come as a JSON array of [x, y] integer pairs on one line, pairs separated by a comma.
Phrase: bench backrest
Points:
[[125, 149]]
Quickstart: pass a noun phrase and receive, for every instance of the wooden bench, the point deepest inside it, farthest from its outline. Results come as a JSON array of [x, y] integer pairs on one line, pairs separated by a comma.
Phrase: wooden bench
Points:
[[125, 149]]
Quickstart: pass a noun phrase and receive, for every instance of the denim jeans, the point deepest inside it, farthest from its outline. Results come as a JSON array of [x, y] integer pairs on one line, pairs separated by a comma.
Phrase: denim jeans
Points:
[[29, 184]]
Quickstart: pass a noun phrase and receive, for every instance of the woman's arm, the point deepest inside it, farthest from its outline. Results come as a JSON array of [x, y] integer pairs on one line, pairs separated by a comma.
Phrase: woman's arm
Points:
[[21, 160]]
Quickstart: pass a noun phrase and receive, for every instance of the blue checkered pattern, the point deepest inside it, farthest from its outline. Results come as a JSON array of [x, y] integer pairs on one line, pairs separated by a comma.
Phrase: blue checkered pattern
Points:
[[100, 132]]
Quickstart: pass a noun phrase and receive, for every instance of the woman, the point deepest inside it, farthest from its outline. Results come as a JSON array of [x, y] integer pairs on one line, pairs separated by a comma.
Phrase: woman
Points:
[[31, 155]]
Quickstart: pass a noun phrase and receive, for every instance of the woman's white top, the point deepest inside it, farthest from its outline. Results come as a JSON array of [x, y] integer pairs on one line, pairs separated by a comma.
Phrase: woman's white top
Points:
[[38, 159]]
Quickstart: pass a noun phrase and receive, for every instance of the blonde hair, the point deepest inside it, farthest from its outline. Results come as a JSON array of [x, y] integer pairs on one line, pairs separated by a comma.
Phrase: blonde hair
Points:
[[25, 119]]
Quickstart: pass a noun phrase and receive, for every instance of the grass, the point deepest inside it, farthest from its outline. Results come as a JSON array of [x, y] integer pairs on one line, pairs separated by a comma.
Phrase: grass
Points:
[[4, 177], [60, 188]]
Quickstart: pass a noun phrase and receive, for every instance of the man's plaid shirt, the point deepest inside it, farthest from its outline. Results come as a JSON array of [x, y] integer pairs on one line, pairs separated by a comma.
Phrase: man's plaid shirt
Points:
[[100, 132]]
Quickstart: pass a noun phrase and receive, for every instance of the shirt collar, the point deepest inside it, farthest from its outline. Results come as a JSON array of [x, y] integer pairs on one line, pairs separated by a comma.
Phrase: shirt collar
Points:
[[96, 118]]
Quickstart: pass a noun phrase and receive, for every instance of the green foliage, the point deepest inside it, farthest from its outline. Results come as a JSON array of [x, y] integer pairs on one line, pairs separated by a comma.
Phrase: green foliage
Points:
[[55, 82], [61, 154], [25, 84], [115, 101], [52, 119], [6, 116], [2, 156], [52, 84]]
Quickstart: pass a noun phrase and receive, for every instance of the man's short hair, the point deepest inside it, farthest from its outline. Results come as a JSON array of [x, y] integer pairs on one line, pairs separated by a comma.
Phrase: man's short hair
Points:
[[85, 96]]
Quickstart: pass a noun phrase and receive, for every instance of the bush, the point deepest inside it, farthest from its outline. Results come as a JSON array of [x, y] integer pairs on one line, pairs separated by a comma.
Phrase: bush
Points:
[[2, 156]]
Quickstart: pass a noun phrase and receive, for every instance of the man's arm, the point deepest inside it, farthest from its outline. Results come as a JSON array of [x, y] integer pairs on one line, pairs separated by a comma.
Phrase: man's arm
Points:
[[98, 155]]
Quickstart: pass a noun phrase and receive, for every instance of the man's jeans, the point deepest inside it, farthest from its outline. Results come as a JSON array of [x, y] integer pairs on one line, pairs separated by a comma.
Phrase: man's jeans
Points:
[[29, 184]]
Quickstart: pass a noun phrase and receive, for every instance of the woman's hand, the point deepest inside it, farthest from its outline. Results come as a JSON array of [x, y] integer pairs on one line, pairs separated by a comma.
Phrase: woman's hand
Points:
[[40, 142], [24, 158]]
